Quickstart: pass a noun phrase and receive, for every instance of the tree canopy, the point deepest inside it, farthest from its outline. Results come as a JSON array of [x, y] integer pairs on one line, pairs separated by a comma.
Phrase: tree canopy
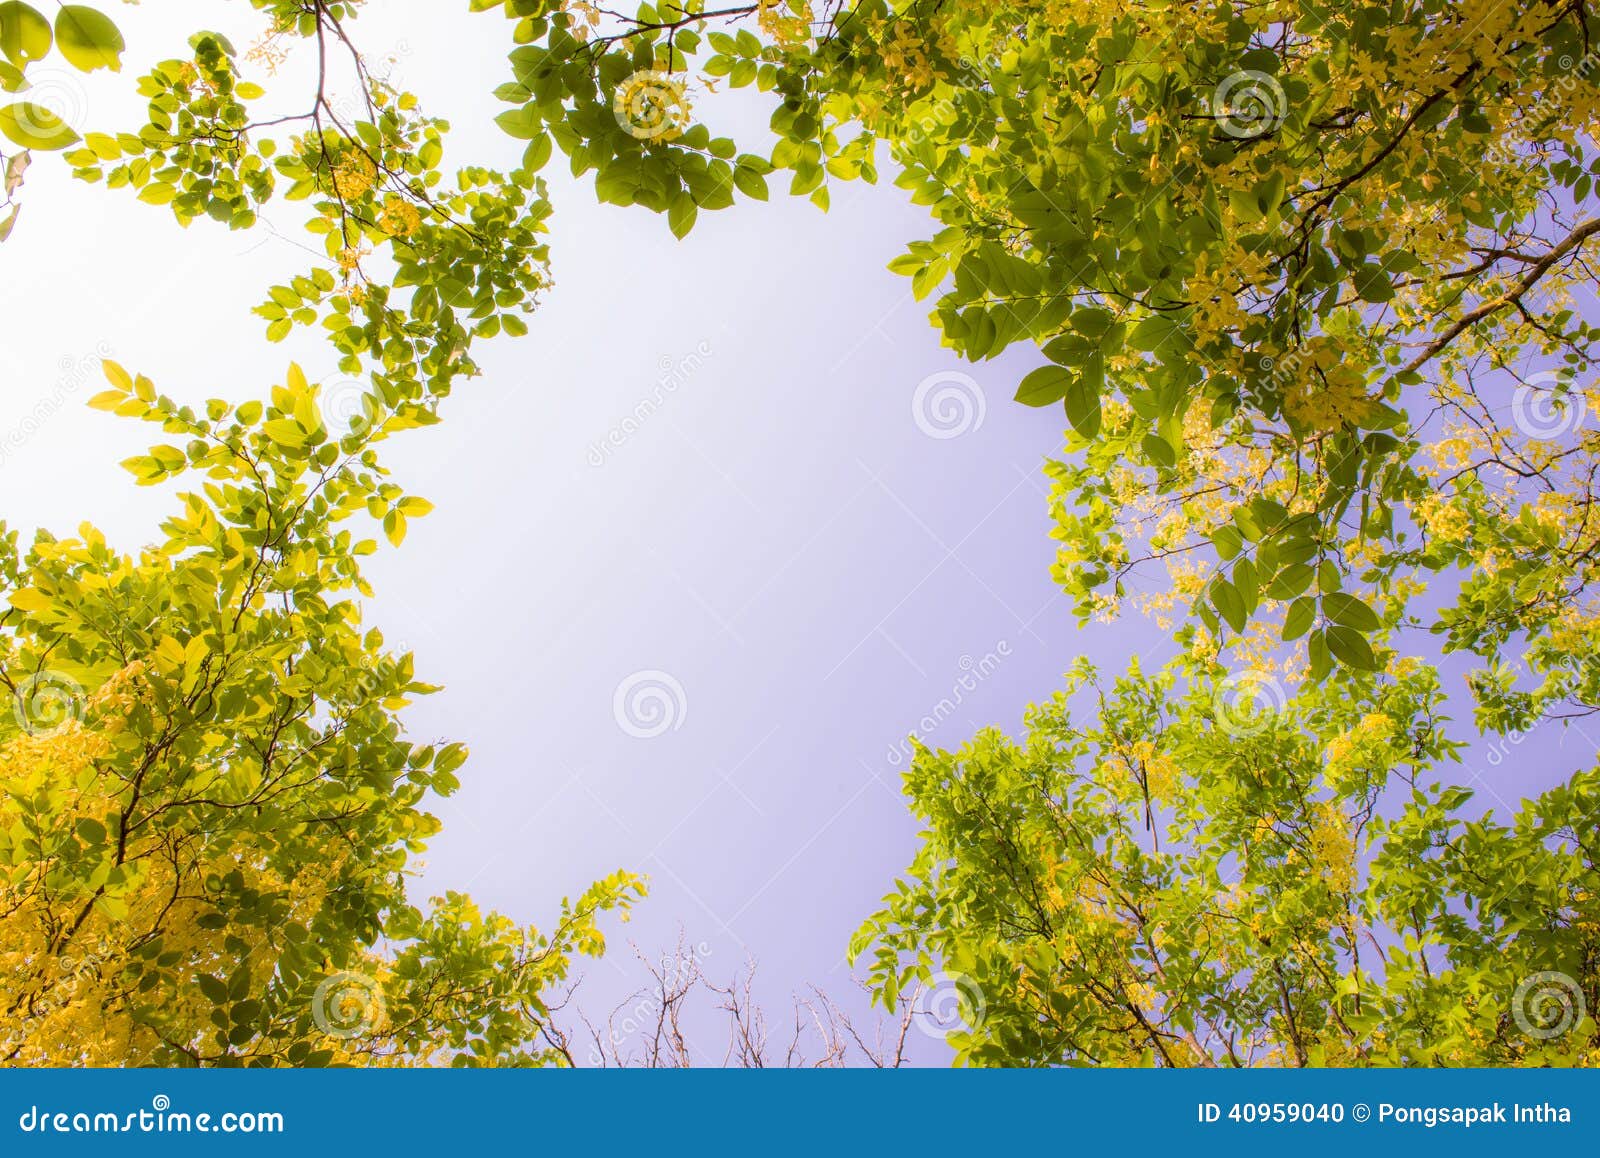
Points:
[[210, 809]]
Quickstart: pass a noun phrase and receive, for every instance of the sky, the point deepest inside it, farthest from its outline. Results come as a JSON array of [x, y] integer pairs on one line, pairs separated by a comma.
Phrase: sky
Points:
[[709, 542]]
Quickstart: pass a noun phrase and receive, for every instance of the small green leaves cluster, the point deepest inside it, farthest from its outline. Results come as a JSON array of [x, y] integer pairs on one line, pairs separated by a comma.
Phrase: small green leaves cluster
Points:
[[566, 84], [421, 261], [86, 39], [193, 155]]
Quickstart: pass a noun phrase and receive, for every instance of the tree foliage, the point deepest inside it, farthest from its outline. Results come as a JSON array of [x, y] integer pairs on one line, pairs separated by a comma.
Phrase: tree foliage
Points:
[[1176, 870], [209, 804], [210, 809]]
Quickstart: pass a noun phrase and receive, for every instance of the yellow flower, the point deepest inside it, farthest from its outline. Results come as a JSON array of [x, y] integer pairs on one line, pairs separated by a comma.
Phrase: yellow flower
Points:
[[353, 174], [400, 218]]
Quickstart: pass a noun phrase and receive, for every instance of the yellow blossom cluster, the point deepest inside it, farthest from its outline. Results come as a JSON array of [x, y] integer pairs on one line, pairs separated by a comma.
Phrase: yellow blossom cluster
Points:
[[1333, 848], [585, 18], [787, 22], [1335, 398], [912, 62], [354, 173], [1146, 769], [1348, 749], [400, 218]]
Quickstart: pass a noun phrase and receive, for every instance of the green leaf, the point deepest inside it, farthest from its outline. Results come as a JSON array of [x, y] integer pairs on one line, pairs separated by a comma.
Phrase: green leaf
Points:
[[1045, 386], [1227, 540], [285, 433], [1290, 582], [1301, 615], [750, 183], [24, 33], [1321, 663], [537, 153], [1225, 596], [1346, 609], [88, 38], [394, 527], [681, 215], [1351, 648], [1373, 284], [525, 124], [450, 757], [1149, 334], [35, 127], [1083, 397], [1158, 450]]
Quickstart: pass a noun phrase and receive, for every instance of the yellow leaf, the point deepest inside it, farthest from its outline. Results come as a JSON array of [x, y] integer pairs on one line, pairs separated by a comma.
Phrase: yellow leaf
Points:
[[116, 375], [30, 599], [169, 654]]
